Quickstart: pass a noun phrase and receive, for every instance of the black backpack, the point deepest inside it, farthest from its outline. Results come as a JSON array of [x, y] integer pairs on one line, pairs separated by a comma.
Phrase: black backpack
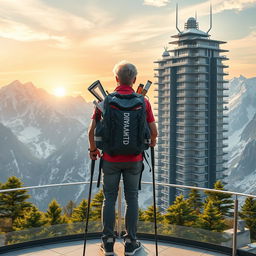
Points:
[[123, 129]]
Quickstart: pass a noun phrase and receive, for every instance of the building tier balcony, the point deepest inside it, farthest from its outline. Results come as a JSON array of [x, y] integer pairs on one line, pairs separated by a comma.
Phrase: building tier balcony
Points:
[[193, 80], [198, 46], [191, 87], [188, 140], [192, 95], [192, 124]]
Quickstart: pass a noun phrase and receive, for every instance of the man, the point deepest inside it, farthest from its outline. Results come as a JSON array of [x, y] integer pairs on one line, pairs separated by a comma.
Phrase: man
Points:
[[129, 166]]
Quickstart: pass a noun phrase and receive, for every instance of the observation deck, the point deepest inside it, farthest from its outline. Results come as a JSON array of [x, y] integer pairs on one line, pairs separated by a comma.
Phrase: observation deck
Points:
[[75, 248], [173, 240]]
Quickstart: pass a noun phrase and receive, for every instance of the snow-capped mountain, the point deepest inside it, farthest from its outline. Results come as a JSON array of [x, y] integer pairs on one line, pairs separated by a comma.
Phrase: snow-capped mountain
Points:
[[242, 135], [42, 121], [43, 139], [242, 176], [242, 103], [68, 164], [16, 159], [249, 132]]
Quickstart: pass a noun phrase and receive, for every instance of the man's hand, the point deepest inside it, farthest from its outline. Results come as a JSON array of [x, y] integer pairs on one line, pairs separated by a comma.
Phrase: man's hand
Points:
[[153, 143], [95, 154]]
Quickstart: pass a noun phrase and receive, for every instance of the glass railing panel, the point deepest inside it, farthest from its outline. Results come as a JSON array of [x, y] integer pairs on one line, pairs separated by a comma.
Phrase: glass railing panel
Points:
[[188, 233], [50, 218], [54, 231], [42, 220], [214, 223], [169, 222]]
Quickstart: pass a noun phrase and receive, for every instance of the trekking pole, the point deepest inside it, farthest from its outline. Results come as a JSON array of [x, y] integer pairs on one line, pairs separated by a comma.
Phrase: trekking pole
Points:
[[154, 194], [88, 205]]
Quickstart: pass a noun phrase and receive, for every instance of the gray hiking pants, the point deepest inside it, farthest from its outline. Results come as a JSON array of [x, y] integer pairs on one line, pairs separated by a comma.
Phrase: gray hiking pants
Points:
[[131, 172]]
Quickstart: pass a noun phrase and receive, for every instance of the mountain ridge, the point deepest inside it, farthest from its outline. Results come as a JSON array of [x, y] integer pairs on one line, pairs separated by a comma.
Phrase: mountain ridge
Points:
[[39, 119], [15, 158], [50, 136], [242, 136]]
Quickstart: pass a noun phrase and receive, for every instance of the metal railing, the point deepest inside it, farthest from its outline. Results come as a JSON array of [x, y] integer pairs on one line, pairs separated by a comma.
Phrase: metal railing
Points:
[[119, 214]]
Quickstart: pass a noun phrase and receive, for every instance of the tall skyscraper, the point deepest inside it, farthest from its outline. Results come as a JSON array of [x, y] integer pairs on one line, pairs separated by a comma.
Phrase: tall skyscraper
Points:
[[191, 112]]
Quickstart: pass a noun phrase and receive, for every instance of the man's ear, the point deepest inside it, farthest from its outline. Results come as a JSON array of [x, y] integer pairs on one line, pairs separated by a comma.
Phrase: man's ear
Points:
[[134, 80], [117, 80]]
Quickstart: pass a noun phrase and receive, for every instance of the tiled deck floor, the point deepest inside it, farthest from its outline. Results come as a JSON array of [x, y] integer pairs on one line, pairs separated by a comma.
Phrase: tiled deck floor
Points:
[[93, 249]]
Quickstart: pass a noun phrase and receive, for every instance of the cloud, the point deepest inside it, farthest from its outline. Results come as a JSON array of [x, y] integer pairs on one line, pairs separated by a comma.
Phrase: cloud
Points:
[[135, 31], [21, 32], [157, 3], [37, 13], [32, 20], [238, 5], [3, 73], [242, 54], [218, 6], [244, 47]]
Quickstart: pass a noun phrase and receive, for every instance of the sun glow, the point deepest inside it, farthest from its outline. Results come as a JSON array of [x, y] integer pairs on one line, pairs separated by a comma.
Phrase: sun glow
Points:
[[60, 92]]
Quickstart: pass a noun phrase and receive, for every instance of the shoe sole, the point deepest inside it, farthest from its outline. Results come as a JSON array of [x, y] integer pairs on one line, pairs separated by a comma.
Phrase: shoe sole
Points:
[[107, 253], [132, 253]]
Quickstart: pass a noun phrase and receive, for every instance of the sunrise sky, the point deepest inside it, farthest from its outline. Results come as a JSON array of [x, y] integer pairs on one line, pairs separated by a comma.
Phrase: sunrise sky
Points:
[[71, 43]]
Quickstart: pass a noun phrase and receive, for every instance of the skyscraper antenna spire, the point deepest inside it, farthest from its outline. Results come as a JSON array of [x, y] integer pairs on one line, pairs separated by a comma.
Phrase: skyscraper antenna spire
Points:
[[210, 19], [177, 18]]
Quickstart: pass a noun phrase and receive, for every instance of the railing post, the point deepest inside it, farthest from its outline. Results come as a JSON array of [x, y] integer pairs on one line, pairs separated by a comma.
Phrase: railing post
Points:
[[119, 212], [234, 242]]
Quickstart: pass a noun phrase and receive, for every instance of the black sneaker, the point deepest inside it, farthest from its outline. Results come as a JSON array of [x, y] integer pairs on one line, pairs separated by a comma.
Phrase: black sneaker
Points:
[[107, 246], [131, 247]]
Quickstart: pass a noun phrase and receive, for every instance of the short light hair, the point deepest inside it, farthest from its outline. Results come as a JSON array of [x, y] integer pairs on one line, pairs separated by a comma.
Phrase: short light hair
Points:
[[125, 71]]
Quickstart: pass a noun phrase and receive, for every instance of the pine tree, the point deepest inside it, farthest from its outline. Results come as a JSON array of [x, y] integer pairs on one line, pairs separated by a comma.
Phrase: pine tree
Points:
[[13, 204], [148, 215], [181, 212], [69, 208], [96, 205], [195, 201], [222, 201], [211, 218], [80, 212], [53, 214], [248, 213], [32, 218]]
